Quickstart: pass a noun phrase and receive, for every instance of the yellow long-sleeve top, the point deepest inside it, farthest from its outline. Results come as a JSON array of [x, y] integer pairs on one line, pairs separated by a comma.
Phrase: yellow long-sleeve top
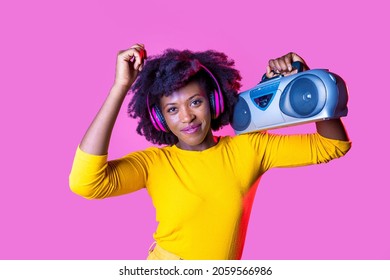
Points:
[[202, 198]]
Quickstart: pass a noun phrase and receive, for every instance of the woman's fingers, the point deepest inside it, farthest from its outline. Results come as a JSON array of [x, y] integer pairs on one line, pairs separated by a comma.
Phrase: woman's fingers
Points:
[[129, 63], [283, 65]]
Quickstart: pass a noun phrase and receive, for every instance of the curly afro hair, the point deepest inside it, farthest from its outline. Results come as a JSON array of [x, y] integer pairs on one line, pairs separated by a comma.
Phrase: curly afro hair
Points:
[[170, 71]]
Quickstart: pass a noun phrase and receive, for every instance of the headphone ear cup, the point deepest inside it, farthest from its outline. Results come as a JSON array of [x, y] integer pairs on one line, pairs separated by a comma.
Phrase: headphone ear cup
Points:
[[216, 104], [158, 119], [212, 105]]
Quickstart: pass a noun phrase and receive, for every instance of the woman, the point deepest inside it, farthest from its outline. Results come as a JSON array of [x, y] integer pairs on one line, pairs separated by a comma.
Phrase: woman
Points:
[[202, 186]]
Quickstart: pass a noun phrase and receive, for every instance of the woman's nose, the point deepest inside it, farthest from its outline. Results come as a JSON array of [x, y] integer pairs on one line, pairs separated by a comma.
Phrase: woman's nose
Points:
[[186, 115]]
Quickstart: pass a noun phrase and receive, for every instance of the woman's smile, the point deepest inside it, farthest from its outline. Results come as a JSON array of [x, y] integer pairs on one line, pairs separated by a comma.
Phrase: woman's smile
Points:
[[191, 129]]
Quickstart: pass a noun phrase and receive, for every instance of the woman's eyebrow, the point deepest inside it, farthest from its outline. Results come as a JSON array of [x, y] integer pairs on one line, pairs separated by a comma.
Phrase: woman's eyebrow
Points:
[[190, 98]]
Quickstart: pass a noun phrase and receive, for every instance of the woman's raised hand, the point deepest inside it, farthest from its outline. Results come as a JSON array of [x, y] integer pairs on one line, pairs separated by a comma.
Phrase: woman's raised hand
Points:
[[129, 63]]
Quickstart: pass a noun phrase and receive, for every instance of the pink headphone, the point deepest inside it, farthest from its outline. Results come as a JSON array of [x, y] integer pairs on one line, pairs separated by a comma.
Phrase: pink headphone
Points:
[[216, 104]]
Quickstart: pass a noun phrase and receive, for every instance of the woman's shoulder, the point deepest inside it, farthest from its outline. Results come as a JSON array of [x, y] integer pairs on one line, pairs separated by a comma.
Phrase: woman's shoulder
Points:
[[243, 141], [245, 137], [149, 152]]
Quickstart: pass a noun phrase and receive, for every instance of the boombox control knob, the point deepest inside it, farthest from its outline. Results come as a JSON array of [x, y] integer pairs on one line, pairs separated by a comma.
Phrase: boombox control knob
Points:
[[241, 115]]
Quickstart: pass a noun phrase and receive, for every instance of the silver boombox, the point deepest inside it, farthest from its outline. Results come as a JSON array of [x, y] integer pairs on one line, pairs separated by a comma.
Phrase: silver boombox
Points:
[[303, 97]]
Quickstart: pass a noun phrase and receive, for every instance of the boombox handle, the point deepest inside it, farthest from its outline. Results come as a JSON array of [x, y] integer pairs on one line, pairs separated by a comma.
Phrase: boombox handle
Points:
[[295, 65]]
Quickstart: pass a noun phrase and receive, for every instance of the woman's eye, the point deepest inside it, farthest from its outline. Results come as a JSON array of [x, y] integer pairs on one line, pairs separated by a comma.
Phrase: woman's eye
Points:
[[197, 102], [171, 110]]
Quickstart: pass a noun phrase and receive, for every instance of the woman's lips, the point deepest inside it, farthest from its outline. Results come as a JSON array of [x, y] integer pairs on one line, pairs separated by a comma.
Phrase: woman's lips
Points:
[[191, 129]]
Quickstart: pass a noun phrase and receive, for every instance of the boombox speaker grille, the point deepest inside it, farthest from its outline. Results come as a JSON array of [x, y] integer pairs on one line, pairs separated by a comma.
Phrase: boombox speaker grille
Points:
[[241, 115], [303, 97]]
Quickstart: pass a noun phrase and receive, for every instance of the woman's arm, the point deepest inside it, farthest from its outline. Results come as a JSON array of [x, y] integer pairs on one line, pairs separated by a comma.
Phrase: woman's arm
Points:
[[92, 176], [332, 129], [97, 137]]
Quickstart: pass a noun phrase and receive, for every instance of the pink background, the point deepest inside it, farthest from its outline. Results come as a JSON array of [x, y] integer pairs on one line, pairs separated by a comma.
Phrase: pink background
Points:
[[57, 63]]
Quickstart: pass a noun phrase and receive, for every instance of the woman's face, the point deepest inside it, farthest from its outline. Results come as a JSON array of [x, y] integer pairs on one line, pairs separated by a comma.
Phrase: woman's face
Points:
[[188, 116]]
